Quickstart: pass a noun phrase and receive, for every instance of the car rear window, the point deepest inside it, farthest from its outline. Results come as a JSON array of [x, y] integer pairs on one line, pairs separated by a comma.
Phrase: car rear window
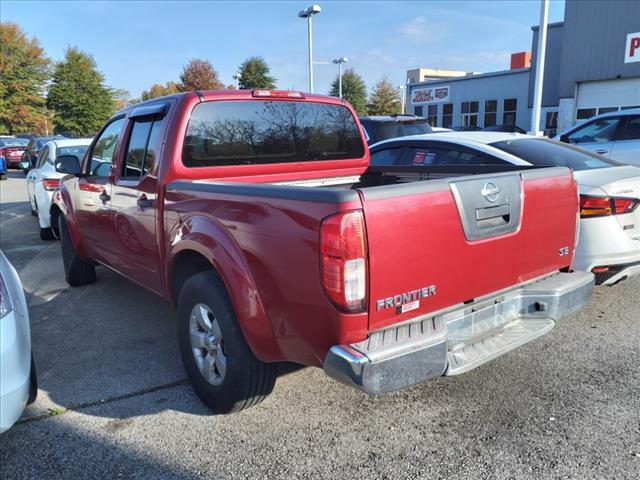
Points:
[[385, 131], [258, 132], [541, 151], [77, 150]]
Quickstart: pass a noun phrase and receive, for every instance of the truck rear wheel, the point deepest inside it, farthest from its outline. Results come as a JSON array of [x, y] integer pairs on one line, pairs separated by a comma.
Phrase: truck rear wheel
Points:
[[222, 368], [76, 271]]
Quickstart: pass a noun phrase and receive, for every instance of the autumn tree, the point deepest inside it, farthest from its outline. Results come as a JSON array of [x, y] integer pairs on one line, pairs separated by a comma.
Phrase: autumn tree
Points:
[[78, 96], [354, 90], [24, 70], [385, 99], [158, 90], [199, 74], [255, 73]]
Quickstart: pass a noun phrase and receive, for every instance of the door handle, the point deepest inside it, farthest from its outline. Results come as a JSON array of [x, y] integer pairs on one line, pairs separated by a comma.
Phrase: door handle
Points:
[[602, 151], [105, 197], [144, 202]]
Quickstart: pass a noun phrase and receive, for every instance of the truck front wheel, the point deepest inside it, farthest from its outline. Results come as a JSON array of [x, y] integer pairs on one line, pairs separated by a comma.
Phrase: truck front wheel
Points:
[[76, 271], [222, 368]]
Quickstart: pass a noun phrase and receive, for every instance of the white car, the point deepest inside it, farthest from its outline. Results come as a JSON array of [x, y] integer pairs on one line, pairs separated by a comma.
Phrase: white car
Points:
[[18, 385], [615, 135], [609, 243], [43, 179]]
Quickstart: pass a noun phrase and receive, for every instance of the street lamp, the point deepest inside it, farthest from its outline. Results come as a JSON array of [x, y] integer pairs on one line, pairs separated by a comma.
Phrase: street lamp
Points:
[[308, 13], [237, 77], [403, 97], [340, 61]]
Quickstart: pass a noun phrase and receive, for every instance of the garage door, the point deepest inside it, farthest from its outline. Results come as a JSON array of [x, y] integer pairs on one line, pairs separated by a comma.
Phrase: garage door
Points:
[[610, 94]]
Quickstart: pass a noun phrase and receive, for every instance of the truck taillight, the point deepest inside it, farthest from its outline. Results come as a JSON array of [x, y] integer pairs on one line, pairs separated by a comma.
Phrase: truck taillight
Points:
[[592, 206], [343, 247], [50, 184], [277, 93]]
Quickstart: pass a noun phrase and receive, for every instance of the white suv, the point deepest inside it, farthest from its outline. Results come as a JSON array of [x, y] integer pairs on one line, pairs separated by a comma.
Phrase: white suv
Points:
[[615, 135]]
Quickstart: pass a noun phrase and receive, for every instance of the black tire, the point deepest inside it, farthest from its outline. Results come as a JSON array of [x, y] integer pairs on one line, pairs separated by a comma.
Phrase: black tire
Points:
[[47, 234], [3, 176], [247, 380], [76, 271]]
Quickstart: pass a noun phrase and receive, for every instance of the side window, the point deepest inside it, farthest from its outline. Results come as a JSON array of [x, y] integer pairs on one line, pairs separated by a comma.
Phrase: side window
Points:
[[42, 158], [432, 156], [141, 153], [596, 131], [101, 157], [389, 156], [632, 130]]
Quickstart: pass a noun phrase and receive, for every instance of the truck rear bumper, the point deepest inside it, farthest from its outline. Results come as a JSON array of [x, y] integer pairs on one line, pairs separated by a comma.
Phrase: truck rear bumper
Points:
[[460, 339]]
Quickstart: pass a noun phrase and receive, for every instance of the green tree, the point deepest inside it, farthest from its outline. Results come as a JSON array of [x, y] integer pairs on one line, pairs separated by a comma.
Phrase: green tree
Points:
[[158, 90], [199, 74], [385, 99], [78, 96], [354, 90], [254, 73], [24, 70]]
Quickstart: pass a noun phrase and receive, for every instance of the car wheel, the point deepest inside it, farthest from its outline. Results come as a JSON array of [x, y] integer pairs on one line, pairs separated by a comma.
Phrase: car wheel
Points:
[[77, 272], [222, 368], [47, 234]]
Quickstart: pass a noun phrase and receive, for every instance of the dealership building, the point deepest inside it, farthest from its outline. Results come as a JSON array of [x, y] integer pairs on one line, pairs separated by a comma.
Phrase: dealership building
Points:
[[592, 66]]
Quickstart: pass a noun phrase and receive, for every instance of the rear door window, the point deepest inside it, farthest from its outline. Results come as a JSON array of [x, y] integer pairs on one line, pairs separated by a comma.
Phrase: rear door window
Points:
[[254, 132], [447, 154], [388, 156], [632, 129]]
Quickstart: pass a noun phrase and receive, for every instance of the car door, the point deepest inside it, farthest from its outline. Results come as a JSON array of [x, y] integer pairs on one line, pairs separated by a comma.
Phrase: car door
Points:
[[93, 201], [35, 175], [596, 135], [626, 148], [133, 197]]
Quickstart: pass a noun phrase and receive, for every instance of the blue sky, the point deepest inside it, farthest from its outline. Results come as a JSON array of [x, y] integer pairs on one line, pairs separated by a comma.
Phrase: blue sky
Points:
[[136, 44]]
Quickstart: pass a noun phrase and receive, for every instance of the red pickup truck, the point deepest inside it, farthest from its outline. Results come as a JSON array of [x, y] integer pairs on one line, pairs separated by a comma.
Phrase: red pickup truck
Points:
[[258, 216]]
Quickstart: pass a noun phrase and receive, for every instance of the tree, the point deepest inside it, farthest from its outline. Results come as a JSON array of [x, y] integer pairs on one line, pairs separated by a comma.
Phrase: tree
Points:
[[78, 96], [354, 90], [254, 73], [385, 99], [158, 90], [24, 70], [199, 75]]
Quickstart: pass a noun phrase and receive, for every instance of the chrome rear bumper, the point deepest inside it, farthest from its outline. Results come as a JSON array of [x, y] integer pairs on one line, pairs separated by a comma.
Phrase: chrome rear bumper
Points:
[[460, 339]]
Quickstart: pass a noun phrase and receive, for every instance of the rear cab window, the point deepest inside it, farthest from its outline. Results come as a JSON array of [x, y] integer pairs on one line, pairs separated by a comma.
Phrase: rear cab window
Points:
[[544, 152], [251, 132]]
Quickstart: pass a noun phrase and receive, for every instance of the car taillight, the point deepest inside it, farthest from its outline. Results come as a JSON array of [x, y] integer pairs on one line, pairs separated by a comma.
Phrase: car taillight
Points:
[[50, 184], [343, 246], [591, 206]]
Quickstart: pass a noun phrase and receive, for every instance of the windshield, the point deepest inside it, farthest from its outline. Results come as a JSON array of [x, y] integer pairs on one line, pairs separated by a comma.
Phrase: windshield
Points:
[[385, 131], [77, 150], [14, 142], [259, 132], [541, 151]]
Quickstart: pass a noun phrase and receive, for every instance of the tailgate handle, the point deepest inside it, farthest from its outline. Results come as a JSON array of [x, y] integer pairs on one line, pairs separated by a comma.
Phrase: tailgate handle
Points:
[[493, 216]]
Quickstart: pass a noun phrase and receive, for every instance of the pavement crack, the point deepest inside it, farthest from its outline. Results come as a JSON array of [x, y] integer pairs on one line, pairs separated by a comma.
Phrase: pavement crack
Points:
[[57, 411]]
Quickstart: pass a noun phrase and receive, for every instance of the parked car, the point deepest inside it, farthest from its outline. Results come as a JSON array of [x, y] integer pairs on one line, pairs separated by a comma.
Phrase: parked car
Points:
[[18, 384], [246, 210], [32, 150], [11, 149], [609, 242], [43, 179], [615, 135], [3, 168], [467, 128], [382, 127], [504, 128]]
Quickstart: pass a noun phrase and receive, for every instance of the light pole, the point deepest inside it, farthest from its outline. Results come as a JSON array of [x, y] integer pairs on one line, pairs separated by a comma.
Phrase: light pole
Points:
[[540, 56], [340, 61], [237, 77], [402, 89], [308, 13]]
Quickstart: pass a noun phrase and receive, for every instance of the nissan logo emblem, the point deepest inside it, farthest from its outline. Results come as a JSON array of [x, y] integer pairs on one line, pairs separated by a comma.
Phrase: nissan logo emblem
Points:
[[490, 191]]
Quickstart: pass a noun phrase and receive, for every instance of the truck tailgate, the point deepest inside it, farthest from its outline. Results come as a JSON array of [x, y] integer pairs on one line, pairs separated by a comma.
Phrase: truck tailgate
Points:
[[434, 244]]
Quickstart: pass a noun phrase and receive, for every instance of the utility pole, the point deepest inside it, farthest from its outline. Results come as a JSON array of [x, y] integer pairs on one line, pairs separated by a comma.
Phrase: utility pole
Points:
[[308, 13], [236, 78], [540, 57]]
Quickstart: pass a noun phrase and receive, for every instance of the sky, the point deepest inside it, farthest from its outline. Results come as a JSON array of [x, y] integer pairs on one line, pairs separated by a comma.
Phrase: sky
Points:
[[139, 43]]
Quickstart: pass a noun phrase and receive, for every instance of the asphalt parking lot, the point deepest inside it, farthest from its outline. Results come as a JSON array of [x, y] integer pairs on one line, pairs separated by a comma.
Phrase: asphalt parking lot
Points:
[[114, 401]]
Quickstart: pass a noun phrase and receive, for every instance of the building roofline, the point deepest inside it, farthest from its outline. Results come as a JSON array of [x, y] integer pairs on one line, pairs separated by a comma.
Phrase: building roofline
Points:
[[469, 77]]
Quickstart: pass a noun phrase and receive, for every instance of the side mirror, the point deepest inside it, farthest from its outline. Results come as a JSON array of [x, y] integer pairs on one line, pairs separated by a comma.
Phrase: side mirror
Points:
[[68, 164], [565, 138]]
